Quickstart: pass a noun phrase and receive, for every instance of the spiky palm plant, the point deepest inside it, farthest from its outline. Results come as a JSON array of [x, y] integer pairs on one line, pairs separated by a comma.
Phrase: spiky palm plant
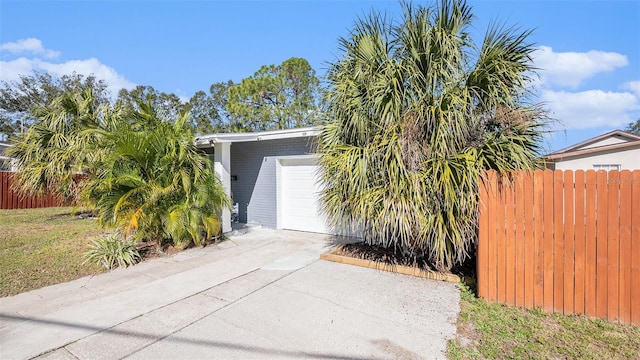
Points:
[[55, 149], [153, 184], [417, 111]]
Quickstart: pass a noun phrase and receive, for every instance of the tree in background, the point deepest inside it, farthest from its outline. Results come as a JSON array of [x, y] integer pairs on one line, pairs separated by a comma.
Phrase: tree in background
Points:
[[634, 127], [417, 111], [166, 105], [203, 113], [19, 99], [276, 97], [208, 112]]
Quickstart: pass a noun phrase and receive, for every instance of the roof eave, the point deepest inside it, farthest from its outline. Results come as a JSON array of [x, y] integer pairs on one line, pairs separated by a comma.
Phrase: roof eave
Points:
[[632, 137], [561, 156], [210, 139]]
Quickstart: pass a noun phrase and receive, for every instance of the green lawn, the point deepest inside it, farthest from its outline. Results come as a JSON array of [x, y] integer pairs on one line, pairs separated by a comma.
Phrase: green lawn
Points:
[[493, 331], [40, 247]]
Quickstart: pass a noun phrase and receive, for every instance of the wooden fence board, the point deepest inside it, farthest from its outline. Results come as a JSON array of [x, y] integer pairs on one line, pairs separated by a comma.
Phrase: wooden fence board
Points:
[[568, 242], [568, 273], [11, 200], [635, 248], [558, 243], [3, 190], [510, 243], [538, 291], [529, 252], [601, 245], [590, 243], [548, 240], [492, 256], [519, 237], [625, 246], [613, 244], [501, 244], [483, 238], [580, 248]]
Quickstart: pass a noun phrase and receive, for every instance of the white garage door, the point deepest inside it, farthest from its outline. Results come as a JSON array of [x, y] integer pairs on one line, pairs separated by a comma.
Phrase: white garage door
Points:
[[299, 191]]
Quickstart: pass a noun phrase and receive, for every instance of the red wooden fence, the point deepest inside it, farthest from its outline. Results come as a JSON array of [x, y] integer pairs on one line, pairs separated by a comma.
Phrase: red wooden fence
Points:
[[11, 200], [567, 242]]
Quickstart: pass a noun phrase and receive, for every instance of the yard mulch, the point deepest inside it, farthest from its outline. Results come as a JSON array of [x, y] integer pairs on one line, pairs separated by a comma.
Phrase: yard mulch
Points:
[[395, 257]]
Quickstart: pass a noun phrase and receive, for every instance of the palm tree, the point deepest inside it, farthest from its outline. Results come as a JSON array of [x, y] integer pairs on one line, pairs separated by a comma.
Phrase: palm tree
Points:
[[52, 152], [142, 174], [417, 111], [153, 183]]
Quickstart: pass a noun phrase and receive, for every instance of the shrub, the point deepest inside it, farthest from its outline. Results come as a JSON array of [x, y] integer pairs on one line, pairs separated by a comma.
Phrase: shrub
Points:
[[416, 112], [112, 250]]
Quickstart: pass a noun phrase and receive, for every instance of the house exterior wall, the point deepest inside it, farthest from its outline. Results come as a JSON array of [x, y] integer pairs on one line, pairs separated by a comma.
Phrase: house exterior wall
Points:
[[253, 166], [607, 141], [628, 159]]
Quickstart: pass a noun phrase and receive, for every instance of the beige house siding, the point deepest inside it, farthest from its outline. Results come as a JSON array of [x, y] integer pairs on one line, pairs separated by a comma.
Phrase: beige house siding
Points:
[[628, 159], [608, 141]]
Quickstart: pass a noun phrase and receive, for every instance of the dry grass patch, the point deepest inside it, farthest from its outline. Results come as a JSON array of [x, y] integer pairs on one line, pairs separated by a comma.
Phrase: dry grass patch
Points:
[[40, 247]]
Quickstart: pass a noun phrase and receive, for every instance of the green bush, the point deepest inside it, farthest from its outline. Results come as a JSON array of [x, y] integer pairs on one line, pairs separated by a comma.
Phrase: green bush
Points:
[[112, 250]]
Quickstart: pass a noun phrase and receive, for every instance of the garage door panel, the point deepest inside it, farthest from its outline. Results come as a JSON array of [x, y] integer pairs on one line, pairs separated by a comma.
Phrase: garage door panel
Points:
[[300, 207]]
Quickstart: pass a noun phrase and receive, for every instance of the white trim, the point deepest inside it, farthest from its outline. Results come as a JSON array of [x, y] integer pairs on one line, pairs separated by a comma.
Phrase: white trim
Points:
[[222, 168], [631, 138], [208, 140], [558, 156]]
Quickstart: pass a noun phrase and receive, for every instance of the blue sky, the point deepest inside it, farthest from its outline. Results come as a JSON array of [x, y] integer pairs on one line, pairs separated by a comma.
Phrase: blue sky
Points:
[[589, 51]]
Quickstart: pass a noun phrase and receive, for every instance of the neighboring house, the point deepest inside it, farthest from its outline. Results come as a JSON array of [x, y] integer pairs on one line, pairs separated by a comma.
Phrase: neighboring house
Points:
[[271, 176], [6, 163], [615, 150]]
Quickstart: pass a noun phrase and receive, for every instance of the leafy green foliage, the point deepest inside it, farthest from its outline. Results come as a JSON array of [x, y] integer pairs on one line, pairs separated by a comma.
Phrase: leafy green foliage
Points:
[[153, 183], [204, 114], [140, 170], [416, 113], [20, 99], [276, 97], [634, 127], [166, 105], [207, 112], [55, 149], [112, 250]]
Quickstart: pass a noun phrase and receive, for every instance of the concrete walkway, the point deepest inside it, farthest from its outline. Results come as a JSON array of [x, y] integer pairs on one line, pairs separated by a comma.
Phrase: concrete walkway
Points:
[[264, 294]]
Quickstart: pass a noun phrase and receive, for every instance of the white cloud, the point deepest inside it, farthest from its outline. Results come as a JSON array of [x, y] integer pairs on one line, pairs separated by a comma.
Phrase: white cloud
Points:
[[633, 86], [30, 45], [89, 67], [570, 69], [591, 108], [11, 71], [26, 65]]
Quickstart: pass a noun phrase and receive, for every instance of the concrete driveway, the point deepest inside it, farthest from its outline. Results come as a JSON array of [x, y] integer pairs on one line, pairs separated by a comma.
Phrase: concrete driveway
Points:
[[264, 294]]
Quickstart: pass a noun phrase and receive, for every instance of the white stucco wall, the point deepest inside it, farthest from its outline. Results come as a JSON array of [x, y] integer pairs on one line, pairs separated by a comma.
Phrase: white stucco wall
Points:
[[628, 159]]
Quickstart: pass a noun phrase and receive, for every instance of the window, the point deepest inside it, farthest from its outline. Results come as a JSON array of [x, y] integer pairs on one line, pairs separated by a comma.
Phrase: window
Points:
[[606, 167]]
